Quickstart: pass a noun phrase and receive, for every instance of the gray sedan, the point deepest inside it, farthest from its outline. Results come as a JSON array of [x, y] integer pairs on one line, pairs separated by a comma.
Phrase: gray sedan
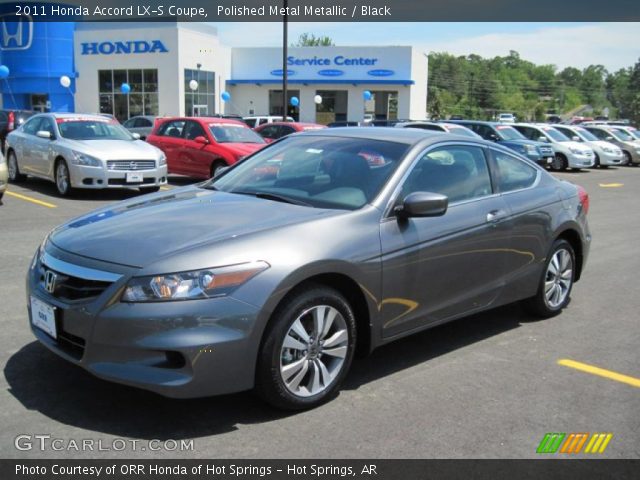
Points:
[[83, 151], [273, 274], [141, 124]]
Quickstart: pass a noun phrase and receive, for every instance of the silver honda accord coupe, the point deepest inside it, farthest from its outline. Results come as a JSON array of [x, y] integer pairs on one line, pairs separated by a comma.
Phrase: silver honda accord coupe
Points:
[[83, 151], [273, 274]]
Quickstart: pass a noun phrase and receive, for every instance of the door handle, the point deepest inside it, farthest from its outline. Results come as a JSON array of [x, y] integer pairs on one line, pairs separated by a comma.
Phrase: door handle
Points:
[[494, 216]]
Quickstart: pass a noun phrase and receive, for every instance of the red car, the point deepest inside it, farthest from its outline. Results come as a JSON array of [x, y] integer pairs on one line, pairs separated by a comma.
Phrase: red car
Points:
[[199, 146], [275, 130]]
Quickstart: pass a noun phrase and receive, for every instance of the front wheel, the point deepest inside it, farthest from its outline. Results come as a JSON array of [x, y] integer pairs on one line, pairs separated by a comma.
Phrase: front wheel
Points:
[[555, 286], [307, 350], [559, 162], [216, 166], [628, 161], [63, 178]]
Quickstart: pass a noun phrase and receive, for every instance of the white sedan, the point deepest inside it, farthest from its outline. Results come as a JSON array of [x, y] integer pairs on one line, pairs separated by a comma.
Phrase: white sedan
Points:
[[83, 151]]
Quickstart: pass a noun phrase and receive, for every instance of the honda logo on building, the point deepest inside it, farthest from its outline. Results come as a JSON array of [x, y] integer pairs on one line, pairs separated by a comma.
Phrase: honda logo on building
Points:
[[16, 32]]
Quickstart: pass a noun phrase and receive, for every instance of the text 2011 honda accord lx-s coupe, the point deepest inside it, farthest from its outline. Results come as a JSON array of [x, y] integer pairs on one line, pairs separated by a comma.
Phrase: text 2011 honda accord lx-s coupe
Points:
[[271, 275]]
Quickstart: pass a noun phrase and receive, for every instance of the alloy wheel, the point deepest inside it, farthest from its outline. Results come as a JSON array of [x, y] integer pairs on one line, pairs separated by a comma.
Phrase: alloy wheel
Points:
[[314, 350], [558, 278], [12, 167], [62, 178]]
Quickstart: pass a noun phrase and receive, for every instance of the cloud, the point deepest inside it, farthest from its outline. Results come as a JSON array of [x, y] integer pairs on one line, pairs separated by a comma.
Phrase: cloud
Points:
[[614, 45]]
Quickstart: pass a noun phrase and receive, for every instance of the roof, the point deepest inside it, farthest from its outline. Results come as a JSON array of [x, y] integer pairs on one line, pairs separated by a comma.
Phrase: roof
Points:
[[409, 136]]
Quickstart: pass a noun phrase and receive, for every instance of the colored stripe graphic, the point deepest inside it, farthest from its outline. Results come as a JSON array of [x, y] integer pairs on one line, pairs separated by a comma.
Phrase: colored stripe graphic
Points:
[[598, 443], [574, 443], [550, 442]]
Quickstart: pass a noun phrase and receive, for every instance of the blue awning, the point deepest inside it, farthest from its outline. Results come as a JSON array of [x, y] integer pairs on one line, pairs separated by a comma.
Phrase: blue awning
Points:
[[298, 81]]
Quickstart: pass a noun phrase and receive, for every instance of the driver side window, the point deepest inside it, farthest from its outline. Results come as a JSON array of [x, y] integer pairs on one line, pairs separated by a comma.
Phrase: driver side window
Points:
[[460, 172]]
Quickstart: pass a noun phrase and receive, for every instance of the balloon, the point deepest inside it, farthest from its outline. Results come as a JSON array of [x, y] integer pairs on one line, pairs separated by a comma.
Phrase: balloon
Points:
[[225, 96], [4, 71], [193, 84], [317, 99], [294, 101], [367, 95], [125, 88], [65, 81]]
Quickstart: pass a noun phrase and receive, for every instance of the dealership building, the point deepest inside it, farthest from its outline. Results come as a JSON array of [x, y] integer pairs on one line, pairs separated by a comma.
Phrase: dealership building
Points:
[[158, 63]]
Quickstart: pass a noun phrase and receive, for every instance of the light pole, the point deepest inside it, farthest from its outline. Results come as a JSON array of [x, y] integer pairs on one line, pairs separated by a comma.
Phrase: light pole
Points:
[[285, 51]]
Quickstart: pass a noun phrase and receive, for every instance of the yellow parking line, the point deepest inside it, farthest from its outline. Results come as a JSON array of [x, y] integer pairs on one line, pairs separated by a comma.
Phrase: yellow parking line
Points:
[[32, 200], [165, 188], [601, 372], [611, 185]]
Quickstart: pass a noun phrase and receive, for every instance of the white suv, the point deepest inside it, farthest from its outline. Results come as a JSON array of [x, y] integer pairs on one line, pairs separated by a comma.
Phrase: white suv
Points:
[[256, 121], [568, 153], [506, 118]]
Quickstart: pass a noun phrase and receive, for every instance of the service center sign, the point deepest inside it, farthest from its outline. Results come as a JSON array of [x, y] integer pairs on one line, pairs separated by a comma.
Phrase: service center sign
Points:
[[324, 63]]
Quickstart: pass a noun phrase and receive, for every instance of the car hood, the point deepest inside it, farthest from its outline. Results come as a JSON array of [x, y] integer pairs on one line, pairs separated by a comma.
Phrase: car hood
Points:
[[115, 149], [243, 149], [575, 145], [141, 231]]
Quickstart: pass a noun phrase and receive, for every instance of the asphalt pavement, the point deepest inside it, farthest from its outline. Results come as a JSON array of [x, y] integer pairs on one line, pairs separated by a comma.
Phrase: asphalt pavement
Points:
[[489, 386]]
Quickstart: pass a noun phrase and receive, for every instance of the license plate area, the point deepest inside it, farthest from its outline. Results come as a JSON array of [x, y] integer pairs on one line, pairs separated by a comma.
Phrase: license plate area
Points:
[[43, 317], [134, 177]]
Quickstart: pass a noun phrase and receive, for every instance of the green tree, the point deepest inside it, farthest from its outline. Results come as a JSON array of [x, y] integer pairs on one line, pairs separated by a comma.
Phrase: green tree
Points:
[[310, 40]]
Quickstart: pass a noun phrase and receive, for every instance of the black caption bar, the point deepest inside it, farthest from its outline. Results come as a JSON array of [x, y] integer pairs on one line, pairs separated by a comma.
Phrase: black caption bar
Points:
[[317, 469], [327, 11]]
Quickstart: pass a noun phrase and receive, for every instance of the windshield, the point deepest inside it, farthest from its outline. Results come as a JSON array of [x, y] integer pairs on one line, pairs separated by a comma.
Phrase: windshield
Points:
[[321, 172], [509, 133], [79, 129], [621, 135], [232, 133], [586, 134], [555, 135]]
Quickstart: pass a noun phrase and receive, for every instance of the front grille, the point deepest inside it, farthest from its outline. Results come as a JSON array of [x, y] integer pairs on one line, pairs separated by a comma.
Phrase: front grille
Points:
[[71, 344], [131, 165], [66, 287]]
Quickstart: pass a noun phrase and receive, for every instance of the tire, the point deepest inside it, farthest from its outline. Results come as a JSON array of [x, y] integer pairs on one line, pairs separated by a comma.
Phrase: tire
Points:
[[14, 171], [596, 162], [559, 162], [556, 282], [215, 166], [295, 370], [145, 190], [63, 178], [628, 160]]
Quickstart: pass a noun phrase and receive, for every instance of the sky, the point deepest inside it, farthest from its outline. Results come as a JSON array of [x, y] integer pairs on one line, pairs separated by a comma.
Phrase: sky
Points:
[[614, 45]]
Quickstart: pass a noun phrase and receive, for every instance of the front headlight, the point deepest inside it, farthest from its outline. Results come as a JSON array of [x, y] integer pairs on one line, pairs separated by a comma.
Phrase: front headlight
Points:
[[206, 283], [85, 160], [608, 150], [577, 151], [531, 149], [162, 160]]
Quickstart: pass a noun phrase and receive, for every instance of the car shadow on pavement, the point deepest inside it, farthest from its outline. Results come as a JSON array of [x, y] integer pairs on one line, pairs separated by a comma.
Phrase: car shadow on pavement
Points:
[[43, 382]]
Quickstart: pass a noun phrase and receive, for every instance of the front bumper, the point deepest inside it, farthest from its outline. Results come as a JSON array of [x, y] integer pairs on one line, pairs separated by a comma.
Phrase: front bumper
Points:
[[4, 177], [178, 349], [577, 160], [610, 158], [102, 177]]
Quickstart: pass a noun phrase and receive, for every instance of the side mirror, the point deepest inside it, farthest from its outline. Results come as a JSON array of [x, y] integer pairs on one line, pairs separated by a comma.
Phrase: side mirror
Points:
[[43, 134], [220, 170], [493, 137], [136, 136], [576, 138], [543, 139], [202, 140], [609, 139], [422, 204]]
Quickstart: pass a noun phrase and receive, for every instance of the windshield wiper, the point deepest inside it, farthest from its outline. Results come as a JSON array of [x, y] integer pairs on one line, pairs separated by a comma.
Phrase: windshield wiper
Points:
[[273, 196]]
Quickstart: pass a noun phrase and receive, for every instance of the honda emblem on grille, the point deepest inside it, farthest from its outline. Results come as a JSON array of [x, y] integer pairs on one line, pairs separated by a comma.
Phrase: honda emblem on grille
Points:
[[50, 281], [133, 166]]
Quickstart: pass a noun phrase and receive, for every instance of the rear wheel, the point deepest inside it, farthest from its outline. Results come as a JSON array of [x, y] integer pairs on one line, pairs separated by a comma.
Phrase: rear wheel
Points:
[[63, 178], [555, 285], [308, 349], [216, 166], [14, 172]]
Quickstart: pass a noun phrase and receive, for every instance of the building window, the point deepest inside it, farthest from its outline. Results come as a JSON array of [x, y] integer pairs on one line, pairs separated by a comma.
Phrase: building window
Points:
[[141, 100], [275, 103], [201, 101], [334, 106]]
